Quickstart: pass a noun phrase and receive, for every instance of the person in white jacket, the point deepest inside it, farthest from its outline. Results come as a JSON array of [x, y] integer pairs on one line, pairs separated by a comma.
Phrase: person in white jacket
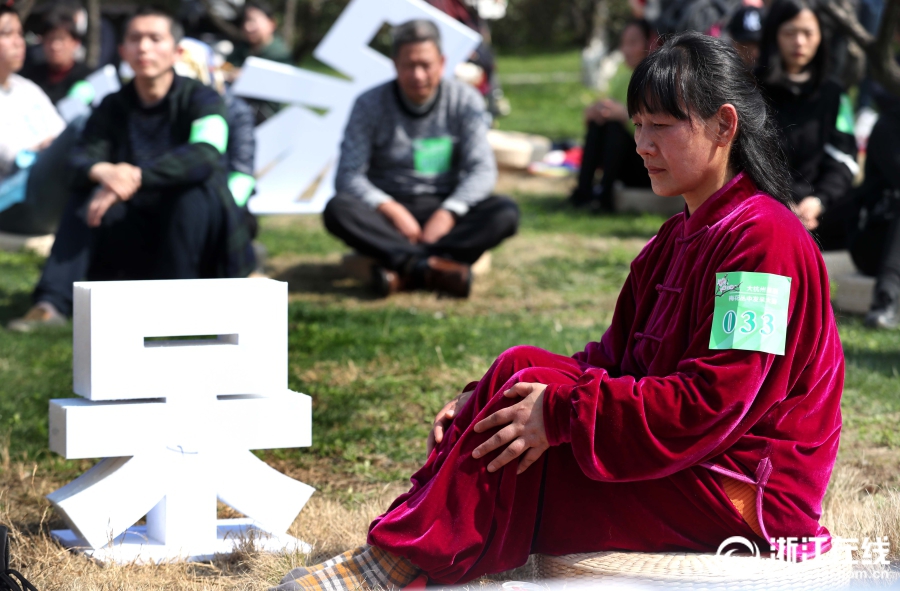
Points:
[[31, 139]]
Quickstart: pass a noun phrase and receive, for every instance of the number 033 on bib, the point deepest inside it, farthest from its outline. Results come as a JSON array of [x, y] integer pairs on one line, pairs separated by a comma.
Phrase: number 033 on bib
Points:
[[750, 312]]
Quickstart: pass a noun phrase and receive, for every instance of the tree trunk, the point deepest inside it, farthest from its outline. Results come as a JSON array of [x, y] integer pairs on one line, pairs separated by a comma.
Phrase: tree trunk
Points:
[[92, 59], [290, 22], [878, 49]]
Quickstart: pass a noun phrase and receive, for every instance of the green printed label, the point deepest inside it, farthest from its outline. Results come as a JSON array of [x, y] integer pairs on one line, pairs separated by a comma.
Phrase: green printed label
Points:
[[211, 129], [433, 156], [241, 186], [845, 123], [83, 92], [750, 312]]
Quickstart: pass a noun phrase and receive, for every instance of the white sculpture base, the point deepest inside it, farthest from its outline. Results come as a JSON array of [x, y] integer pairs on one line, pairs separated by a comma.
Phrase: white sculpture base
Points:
[[135, 547]]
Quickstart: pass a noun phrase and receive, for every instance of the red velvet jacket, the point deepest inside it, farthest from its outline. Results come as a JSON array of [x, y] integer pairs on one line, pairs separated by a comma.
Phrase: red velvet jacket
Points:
[[654, 399]]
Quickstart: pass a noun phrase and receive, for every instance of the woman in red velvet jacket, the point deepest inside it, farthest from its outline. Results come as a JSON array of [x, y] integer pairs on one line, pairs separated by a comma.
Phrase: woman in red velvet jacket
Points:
[[710, 408]]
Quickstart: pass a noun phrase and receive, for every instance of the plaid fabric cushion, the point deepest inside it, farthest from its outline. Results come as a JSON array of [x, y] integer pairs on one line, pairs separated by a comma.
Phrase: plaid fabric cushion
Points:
[[372, 568]]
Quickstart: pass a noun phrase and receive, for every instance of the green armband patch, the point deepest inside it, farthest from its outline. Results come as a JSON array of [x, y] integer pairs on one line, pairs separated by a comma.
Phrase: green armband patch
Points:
[[83, 92], [211, 129], [241, 186], [433, 156], [750, 312], [845, 122]]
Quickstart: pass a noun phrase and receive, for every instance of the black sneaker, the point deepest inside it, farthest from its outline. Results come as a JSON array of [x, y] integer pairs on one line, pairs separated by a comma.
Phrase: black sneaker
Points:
[[10, 580]]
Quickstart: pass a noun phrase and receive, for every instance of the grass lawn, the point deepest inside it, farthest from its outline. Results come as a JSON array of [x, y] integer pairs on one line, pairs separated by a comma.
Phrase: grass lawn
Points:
[[553, 109]]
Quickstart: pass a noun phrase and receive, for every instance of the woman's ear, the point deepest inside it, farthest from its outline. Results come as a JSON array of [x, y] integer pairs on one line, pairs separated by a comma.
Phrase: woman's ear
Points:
[[727, 121]]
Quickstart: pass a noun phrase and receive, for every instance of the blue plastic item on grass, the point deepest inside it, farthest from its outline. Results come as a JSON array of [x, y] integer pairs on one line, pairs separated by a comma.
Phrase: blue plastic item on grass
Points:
[[12, 190]]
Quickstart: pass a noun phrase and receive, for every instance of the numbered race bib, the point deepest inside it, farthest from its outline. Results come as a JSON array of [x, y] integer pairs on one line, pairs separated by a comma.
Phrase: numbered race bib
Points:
[[433, 156], [750, 312]]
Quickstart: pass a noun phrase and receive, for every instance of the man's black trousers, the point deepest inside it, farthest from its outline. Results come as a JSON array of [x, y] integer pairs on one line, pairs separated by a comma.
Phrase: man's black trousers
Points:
[[368, 232], [611, 147], [174, 234]]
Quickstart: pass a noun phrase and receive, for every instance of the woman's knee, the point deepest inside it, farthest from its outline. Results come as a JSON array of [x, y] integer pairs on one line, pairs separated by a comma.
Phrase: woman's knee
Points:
[[521, 356]]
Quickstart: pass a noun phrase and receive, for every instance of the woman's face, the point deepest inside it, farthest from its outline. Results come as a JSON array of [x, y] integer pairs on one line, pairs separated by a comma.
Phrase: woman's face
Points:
[[799, 40], [681, 157], [633, 45]]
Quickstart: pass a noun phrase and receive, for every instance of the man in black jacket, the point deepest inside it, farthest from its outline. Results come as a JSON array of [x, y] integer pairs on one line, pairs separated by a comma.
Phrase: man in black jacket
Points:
[[151, 199]]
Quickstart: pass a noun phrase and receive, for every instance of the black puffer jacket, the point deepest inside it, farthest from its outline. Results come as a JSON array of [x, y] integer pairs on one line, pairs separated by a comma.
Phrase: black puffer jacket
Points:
[[816, 127]]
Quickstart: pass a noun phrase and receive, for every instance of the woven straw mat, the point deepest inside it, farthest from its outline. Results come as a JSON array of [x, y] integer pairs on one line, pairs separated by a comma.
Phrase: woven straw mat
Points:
[[696, 571]]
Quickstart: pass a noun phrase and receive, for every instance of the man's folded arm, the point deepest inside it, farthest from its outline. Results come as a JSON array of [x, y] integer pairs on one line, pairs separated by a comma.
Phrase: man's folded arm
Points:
[[96, 144], [194, 161]]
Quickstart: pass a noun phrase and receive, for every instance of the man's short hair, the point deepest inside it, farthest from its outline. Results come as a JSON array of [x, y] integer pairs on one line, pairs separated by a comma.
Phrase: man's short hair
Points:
[[260, 5], [60, 17], [8, 9], [415, 31], [174, 26]]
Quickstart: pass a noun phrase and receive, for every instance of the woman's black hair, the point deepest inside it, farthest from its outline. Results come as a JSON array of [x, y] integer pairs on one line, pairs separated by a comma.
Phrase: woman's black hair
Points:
[[692, 75], [770, 68]]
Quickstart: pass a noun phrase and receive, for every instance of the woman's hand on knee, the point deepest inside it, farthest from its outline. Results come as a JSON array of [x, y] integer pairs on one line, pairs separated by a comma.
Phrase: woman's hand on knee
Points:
[[444, 418], [523, 428]]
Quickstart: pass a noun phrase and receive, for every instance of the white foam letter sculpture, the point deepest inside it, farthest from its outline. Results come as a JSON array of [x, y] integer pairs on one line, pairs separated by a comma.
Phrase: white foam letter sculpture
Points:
[[297, 149], [180, 380]]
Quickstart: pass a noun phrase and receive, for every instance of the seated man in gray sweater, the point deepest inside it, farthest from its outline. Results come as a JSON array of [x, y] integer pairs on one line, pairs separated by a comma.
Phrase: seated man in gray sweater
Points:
[[416, 173]]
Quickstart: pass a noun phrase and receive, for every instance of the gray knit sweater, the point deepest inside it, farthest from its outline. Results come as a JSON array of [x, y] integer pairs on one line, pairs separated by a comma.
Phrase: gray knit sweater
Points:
[[390, 151]]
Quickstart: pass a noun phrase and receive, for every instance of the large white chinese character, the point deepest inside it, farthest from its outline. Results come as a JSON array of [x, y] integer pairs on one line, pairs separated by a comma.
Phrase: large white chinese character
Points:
[[180, 380], [297, 149]]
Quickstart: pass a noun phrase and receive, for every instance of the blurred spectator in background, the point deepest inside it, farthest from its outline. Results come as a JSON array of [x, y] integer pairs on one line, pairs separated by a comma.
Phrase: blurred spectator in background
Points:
[[258, 24], [33, 145], [710, 17], [416, 173], [875, 241], [869, 15], [609, 144], [815, 117], [150, 197], [61, 43], [483, 56], [745, 31]]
